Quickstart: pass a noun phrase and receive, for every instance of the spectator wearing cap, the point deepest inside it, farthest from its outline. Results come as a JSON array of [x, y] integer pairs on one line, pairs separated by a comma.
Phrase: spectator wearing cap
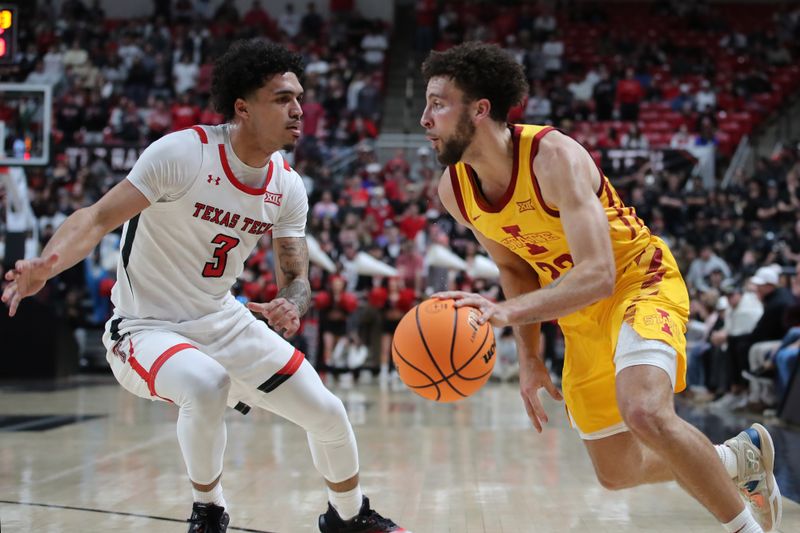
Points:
[[743, 312], [769, 330]]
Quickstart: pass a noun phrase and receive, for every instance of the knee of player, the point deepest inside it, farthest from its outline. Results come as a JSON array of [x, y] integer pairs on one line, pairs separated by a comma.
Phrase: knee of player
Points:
[[612, 478], [209, 386], [330, 418], [646, 420]]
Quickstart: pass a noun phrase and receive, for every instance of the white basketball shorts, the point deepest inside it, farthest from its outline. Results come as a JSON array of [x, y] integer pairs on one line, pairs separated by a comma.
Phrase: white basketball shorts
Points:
[[257, 359]]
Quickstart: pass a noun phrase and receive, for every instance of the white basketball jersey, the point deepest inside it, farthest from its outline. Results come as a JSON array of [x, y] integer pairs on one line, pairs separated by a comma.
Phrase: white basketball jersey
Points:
[[180, 257]]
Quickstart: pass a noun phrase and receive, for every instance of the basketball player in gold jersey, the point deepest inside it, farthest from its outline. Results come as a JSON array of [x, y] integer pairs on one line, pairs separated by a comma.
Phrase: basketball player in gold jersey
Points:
[[569, 249]]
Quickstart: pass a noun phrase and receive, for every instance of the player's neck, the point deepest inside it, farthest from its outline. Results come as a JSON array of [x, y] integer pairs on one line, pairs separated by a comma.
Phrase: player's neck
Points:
[[491, 155], [246, 148]]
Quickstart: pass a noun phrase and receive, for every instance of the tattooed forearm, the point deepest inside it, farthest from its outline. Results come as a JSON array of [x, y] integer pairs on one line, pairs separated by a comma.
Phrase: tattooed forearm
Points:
[[299, 293], [292, 258]]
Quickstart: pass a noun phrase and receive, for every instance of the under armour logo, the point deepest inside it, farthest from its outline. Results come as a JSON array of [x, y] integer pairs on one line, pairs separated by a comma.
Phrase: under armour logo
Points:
[[212, 179]]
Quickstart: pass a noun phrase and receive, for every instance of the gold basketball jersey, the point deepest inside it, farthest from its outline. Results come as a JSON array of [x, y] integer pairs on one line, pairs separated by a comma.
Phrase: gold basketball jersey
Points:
[[649, 292]]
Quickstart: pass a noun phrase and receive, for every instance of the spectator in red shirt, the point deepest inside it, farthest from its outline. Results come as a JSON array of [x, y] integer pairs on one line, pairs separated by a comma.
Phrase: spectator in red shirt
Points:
[[185, 113], [412, 222], [362, 128], [355, 195], [398, 162], [313, 113], [211, 116], [410, 264], [259, 19], [629, 95], [379, 209]]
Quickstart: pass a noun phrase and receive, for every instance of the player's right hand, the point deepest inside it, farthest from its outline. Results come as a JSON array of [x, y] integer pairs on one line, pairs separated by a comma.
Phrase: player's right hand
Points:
[[27, 278], [533, 375]]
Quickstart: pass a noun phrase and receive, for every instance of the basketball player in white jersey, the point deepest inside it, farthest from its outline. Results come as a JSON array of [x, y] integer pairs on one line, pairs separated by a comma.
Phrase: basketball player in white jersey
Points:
[[196, 203]]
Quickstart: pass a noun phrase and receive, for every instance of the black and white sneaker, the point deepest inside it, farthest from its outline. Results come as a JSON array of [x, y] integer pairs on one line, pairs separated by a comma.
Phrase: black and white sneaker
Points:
[[208, 518], [366, 521]]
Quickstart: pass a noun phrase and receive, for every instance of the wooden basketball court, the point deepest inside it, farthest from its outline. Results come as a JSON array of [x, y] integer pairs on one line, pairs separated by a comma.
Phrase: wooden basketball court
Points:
[[92, 457]]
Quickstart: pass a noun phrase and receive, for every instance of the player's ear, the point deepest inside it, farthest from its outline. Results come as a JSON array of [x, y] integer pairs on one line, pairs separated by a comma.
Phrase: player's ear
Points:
[[240, 108], [482, 108]]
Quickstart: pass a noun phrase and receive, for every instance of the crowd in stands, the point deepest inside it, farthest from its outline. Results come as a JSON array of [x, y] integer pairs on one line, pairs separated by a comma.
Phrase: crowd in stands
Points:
[[671, 73], [119, 81]]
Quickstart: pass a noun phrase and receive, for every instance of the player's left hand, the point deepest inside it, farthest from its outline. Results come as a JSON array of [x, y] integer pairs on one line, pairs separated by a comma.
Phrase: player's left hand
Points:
[[491, 312], [282, 315]]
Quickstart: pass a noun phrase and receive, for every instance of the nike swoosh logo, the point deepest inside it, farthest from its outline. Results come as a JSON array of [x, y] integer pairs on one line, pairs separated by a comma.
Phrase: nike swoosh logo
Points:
[[476, 217]]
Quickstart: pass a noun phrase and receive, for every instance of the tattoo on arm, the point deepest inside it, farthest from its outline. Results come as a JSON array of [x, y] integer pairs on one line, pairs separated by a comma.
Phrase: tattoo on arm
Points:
[[293, 255]]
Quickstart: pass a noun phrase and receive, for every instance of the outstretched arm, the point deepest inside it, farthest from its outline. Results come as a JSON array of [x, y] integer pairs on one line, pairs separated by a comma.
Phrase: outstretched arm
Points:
[[73, 241], [284, 312]]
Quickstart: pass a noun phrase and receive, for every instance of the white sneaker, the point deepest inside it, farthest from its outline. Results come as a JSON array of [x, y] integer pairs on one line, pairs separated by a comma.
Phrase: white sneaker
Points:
[[755, 459]]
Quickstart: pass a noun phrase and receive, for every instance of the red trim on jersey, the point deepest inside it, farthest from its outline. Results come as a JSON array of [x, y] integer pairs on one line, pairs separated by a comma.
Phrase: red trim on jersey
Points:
[[159, 362], [480, 199], [286, 165], [270, 168], [150, 377], [202, 133], [610, 196], [137, 366], [534, 151], [599, 192], [293, 364], [238, 184], [457, 192]]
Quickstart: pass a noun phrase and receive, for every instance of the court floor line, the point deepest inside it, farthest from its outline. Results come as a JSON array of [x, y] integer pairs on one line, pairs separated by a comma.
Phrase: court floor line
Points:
[[120, 513], [105, 458]]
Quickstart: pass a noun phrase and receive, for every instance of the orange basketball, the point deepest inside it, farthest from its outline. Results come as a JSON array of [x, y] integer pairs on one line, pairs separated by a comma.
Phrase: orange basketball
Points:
[[441, 352]]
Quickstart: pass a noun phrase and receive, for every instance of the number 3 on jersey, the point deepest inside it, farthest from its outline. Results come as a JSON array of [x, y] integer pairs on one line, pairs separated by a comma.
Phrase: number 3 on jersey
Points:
[[215, 269]]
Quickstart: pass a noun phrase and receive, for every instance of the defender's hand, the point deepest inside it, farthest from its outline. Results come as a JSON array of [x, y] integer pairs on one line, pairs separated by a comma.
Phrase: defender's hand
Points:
[[27, 278], [281, 314], [533, 375]]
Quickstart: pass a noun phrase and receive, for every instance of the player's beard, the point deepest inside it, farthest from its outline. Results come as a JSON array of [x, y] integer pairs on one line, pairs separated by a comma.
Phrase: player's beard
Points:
[[454, 147], [289, 147]]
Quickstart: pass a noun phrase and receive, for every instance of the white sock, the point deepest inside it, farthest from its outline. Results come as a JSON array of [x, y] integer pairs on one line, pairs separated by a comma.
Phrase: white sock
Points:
[[347, 504], [743, 523], [214, 496], [728, 458]]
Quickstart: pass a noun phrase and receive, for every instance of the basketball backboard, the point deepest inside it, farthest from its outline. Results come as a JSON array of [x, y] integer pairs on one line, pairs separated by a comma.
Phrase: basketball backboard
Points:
[[25, 124]]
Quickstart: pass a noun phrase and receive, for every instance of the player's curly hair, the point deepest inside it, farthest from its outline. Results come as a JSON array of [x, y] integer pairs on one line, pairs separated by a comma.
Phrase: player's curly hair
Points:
[[481, 70], [245, 68]]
